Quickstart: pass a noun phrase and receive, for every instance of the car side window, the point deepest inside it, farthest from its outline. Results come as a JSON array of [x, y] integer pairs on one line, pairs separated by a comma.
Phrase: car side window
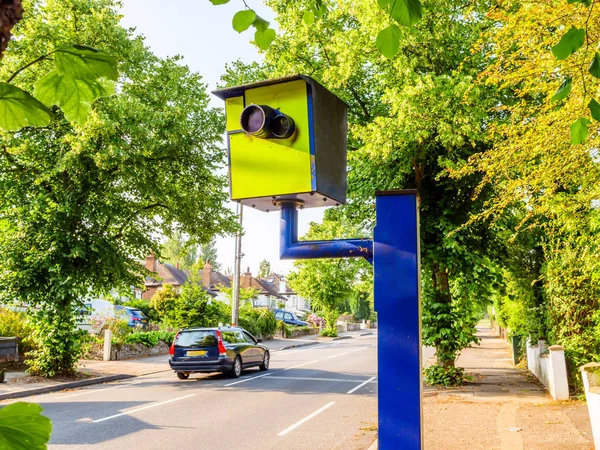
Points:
[[229, 337], [249, 338], [240, 338], [288, 316], [279, 315]]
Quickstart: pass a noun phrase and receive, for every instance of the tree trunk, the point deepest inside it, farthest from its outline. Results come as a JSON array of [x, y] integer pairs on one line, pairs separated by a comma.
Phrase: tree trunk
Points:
[[11, 12], [445, 352]]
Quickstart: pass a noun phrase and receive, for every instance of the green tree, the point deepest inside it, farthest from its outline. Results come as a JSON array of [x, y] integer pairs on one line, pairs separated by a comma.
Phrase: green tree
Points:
[[208, 252], [264, 269], [177, 251], [247, 295], [164, 301], [412, 119], [80, 205]]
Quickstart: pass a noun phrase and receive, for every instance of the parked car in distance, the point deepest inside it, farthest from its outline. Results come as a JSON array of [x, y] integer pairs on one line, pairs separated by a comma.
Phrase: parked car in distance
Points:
[[288, 317], [93, 308], [223, 349], [134, 316]]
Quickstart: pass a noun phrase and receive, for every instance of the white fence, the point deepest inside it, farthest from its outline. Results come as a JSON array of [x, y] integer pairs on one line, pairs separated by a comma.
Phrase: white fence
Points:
[[549, 366], [591, 381]]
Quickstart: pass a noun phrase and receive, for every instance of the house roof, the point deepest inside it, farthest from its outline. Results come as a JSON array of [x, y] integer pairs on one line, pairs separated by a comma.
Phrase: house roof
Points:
[[218, 279], [169, 274]]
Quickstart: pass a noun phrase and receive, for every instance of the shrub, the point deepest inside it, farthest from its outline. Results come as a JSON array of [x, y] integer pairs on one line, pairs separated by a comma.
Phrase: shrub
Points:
[[328, 332], [315, 320], [267, 323], [445, 376], [148, 338]]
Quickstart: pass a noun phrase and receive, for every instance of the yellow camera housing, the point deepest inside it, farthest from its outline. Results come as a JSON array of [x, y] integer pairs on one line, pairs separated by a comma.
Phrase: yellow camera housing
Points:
[[309, 166]]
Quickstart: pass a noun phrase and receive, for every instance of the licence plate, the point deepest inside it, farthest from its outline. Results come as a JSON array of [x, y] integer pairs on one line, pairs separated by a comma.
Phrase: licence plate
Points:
[[196, 353]]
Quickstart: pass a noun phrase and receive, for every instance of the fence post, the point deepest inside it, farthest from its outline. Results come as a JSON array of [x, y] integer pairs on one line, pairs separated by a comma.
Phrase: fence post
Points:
[[591, 381], [107, 344], [557, 373]]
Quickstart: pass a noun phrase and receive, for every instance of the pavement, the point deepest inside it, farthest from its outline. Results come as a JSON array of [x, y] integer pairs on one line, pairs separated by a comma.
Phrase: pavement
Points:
[[322, 396], [503, 408]]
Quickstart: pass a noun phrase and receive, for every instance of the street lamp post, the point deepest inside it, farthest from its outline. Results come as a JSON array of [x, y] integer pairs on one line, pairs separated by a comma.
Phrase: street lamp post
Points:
[[237, 269]]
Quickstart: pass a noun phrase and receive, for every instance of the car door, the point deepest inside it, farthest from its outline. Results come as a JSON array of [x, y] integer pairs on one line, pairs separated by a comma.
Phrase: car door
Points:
[[289, 319], [257, 352], [244, 348]]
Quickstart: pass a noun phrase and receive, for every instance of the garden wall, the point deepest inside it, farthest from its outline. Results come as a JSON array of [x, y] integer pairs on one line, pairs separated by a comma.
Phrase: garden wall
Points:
[[549, 366], [126, 351]]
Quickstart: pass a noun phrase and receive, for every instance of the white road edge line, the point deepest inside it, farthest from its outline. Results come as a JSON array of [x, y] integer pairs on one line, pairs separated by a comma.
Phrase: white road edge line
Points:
[[142, 408], [300, 365], [359, 349], [306, 419], [92, 391], [336, 380], [339, 354], [247, 379], [360, 385]]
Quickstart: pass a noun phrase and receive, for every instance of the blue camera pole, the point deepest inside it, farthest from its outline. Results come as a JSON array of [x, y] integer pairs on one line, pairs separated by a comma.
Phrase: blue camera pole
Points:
[[394, 252]]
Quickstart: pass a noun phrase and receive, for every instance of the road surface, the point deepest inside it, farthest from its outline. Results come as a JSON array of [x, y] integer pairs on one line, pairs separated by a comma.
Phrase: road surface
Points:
[[317, 397]]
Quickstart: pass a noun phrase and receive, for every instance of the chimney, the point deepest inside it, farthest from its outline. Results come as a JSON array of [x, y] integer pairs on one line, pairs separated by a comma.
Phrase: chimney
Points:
[[247, 281], [206, 274], [151, 262], [282, 287]]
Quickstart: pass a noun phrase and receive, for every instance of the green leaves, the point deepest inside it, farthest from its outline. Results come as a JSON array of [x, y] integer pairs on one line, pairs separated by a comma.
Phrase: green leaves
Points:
[[23, 427], [19, 109], [388, 41], [82, 75], [308, 17], [594, 107], [563, 91], [569, 43], [406, 12], [73, 96], [264, 38], [594, 68], [242, 20], [80, 62], [579, 131], [219, 2]]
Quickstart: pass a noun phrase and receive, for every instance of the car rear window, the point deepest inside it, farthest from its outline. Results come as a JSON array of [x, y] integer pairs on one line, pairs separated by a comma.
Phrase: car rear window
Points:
[[136, 313], [196, 339]]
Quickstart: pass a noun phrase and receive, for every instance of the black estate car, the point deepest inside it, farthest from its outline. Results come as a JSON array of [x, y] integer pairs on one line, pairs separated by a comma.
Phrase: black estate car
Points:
[[224, 349]]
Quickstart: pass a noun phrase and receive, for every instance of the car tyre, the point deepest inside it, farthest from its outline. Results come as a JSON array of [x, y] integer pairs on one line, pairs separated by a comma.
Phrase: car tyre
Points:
[[236, 370], [265, 363], [183, 376]]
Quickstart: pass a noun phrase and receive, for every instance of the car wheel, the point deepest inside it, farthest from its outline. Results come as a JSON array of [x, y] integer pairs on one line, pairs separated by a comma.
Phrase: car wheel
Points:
[[265, 363], [183, 376], [236, 370]]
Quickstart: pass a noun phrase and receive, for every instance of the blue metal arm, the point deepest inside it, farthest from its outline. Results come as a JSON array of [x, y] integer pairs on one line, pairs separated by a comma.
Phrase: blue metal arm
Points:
[[291, 248]]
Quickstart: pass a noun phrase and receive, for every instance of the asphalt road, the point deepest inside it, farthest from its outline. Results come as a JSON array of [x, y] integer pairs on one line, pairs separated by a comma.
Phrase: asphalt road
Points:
[[318, 397]]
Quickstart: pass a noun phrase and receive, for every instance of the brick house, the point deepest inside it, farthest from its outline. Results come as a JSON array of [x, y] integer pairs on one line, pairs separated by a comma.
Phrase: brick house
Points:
[[166, 274]]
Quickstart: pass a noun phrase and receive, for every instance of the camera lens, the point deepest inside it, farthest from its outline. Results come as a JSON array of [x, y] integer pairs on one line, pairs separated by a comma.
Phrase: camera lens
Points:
[[265, 122], [255, 119], [283, 126]]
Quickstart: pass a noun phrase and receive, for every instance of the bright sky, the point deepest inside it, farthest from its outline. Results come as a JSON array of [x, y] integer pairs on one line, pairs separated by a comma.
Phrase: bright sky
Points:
[[203, 35]]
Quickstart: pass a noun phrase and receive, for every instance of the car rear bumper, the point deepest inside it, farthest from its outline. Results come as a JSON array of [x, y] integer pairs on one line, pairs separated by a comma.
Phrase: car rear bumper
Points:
[[221, 365]]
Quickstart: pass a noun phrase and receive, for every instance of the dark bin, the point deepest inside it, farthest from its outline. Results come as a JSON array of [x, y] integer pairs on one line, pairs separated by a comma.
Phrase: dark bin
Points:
[[9, 349], [516, 348]]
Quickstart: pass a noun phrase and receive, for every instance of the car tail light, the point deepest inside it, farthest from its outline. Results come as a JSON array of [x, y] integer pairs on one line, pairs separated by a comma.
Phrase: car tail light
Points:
[[172, 347], [222, 349], [135, 318]]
